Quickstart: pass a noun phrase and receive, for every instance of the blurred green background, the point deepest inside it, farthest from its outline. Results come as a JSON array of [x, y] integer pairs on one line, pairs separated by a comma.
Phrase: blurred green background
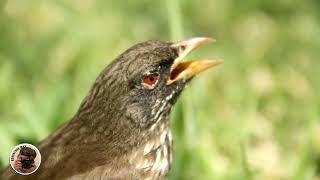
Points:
[[255, 117]]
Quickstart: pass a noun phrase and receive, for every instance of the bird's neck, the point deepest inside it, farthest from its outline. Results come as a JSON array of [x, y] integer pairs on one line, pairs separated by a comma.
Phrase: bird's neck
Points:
[[154, 155]]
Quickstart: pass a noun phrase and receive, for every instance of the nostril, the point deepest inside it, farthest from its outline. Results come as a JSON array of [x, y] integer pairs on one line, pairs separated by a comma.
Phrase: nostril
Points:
[[182, 48]]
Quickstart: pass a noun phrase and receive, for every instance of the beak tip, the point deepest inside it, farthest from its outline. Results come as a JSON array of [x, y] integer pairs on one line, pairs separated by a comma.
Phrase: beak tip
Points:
[[220, 61], [211, 40]]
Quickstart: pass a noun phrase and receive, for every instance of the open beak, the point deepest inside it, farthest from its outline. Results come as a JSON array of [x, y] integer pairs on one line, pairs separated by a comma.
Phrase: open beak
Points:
[[186, 70]]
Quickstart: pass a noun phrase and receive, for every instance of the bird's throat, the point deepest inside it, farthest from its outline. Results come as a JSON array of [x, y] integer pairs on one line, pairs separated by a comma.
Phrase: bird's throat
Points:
[[154, 157]]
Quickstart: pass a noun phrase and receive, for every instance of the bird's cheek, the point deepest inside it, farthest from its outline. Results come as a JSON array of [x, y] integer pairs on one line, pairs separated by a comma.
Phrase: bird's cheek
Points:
[[137, 114]]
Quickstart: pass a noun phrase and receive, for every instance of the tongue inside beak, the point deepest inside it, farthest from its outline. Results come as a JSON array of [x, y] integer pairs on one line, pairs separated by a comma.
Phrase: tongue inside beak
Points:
[[186, 70]]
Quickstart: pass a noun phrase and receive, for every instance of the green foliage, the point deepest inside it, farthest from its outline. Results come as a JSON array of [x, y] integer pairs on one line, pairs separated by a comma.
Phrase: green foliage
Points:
[[255, 117]]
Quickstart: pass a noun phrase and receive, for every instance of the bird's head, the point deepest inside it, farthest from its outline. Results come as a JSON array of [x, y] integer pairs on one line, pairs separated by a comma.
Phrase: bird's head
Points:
[[145, 81]]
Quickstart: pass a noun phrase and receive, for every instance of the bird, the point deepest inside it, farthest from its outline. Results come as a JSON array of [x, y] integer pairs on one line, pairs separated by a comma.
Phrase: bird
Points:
[[122, 128]]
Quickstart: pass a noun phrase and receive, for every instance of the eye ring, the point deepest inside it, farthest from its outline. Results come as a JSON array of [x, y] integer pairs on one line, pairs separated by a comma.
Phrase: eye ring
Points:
[[150, 80]]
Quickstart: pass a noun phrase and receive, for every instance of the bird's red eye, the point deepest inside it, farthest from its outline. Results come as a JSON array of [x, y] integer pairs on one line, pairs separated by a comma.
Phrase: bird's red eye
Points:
[[151, 79]]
